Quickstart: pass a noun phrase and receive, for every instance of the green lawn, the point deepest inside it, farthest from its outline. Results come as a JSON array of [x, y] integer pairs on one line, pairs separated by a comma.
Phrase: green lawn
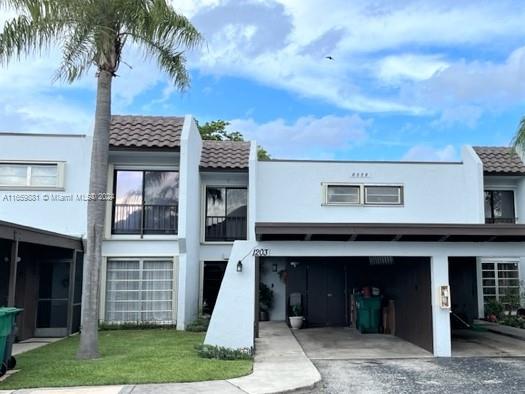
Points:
[[128, 356]]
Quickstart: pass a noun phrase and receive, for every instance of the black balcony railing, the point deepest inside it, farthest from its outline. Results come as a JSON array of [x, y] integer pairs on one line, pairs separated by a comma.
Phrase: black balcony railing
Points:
[[225, 228], [500, 220], [144, 219]]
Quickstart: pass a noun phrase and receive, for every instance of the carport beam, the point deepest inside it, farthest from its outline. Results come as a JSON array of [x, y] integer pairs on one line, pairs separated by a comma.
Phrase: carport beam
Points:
[[440, 316]]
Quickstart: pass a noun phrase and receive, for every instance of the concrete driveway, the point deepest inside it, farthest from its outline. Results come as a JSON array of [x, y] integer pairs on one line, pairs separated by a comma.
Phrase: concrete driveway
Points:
[[446, 375], [471, 343], [337, 343]]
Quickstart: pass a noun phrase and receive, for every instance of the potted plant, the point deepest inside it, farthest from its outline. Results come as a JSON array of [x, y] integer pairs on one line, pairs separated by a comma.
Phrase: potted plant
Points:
[[265, 302], [494, 311], [297, 318]]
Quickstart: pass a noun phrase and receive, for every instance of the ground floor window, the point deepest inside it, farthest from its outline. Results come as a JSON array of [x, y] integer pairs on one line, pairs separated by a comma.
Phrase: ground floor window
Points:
[[500, 281], [139, 290]]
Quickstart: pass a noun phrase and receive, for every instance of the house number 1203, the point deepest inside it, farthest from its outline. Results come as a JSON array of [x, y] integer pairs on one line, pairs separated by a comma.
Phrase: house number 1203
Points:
[[260, 252]]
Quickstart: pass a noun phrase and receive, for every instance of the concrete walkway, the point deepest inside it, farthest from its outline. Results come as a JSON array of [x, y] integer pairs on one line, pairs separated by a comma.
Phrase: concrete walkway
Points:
[[280, 365], [31, 344]]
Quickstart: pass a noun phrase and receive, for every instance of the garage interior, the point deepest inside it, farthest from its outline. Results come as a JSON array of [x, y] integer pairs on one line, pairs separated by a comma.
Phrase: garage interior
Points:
[[328, 289]]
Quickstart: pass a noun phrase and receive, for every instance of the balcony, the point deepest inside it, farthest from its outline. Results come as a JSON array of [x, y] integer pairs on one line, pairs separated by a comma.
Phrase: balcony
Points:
[[225, 228], [144, 219], [500, 220]]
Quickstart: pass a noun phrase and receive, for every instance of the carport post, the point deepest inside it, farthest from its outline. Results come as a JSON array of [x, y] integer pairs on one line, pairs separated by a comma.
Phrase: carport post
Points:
[[13, 268], [440, 316]]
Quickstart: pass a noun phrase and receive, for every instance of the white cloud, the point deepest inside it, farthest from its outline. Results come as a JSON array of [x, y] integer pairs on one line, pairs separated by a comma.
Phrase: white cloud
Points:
[[428, 153], [390, 56], [307, 137], [393, 69], [373, 44], [476, 82]]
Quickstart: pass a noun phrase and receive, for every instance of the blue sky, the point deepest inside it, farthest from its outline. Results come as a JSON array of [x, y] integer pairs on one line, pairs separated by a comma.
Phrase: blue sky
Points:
[[410, 80]]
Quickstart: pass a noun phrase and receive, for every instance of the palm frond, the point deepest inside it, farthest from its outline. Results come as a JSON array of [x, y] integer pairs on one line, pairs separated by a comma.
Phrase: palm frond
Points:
[[518, 141], [78, 56]]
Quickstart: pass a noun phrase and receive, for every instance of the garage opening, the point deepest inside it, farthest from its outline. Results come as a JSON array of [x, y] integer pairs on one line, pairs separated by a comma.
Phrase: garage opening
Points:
[[476, 289], [365, 299]]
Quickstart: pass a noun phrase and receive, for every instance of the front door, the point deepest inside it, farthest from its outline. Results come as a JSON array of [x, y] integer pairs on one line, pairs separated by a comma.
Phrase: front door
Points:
[[53, 299], [326, 294]]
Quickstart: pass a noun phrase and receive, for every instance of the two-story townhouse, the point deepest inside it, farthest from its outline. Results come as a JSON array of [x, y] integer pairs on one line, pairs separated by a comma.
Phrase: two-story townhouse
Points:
[[196, 225], [43, 184], [180, 202], [430, 237]]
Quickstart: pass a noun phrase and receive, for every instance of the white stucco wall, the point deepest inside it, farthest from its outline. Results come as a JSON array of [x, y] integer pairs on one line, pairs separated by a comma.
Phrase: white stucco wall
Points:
[[66, 217], [290, 191], [189, 224], [232, 321]]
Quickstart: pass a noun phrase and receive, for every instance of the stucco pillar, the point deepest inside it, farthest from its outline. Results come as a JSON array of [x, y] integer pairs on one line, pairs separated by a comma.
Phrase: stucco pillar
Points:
[[232, 321], [440, 316]]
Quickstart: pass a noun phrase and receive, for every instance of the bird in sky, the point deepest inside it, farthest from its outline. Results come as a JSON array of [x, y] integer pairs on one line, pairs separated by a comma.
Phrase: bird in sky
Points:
[[329, 57]]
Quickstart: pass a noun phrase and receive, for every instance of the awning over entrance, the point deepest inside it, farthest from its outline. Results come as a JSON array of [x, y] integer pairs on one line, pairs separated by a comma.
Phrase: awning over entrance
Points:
[[403, 232], [17, 232]]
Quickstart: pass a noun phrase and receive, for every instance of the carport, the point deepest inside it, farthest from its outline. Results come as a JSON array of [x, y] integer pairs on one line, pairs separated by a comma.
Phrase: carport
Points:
[[327, 287], [413, 282], [41, 272]]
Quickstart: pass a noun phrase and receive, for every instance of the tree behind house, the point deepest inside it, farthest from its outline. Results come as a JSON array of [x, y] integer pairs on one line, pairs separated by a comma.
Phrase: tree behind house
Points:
[[216, 131], [93, 33]]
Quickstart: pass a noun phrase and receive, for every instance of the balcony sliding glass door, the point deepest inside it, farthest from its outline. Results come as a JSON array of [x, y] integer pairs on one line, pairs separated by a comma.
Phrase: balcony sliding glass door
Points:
[[146, 202], [225, 214], [499, 206]]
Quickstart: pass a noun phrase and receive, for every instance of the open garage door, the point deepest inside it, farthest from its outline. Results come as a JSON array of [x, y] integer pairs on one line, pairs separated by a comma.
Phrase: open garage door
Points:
[[328, 287]]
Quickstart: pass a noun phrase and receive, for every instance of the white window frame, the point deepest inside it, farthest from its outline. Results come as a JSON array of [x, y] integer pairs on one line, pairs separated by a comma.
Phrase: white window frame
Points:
[[327, 185], [204, 186], [481, 287], [174, 289], [59, 186], [400, 195], [362, 194]]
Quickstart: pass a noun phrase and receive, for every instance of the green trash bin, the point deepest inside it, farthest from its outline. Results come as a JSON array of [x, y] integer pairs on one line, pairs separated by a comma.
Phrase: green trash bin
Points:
[[368, 313], [7, 337]]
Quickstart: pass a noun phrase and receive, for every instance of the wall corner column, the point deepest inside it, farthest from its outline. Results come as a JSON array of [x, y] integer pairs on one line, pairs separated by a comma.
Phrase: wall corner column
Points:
[[442, 341]]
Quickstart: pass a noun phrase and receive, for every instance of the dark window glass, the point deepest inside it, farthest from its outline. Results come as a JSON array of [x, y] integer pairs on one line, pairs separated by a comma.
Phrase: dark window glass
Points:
[[146, 202], [499, 206], [226, 211]]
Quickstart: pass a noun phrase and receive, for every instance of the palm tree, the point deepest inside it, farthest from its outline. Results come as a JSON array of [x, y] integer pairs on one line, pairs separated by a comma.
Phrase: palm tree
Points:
[[519, 139], [93, 33]]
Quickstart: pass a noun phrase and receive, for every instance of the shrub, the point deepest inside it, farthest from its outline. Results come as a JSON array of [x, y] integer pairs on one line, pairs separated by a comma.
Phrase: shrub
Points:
[[297, 310], [134, 326], [513, 321], [199, 325], [223, 353], [265, 297], [495, 308]]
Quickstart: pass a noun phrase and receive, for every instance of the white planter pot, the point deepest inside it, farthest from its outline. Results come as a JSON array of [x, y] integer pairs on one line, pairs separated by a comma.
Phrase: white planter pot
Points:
[[296, 322]]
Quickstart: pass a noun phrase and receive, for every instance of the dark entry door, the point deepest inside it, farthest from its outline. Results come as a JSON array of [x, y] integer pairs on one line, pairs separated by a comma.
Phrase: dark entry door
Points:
[[53, 299], [213, 274], [326, 294]]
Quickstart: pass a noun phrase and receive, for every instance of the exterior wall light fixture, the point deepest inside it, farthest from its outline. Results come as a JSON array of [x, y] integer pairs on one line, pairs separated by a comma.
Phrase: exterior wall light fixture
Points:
[[239, 266]]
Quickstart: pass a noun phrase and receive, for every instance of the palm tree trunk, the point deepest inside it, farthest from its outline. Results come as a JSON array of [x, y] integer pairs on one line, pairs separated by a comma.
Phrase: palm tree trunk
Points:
[[96, 213]]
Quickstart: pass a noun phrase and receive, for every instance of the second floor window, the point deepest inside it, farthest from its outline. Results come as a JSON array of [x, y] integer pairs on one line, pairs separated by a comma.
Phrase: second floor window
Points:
[[226, 211], [499, 206], [146, 202], [37, 176]]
